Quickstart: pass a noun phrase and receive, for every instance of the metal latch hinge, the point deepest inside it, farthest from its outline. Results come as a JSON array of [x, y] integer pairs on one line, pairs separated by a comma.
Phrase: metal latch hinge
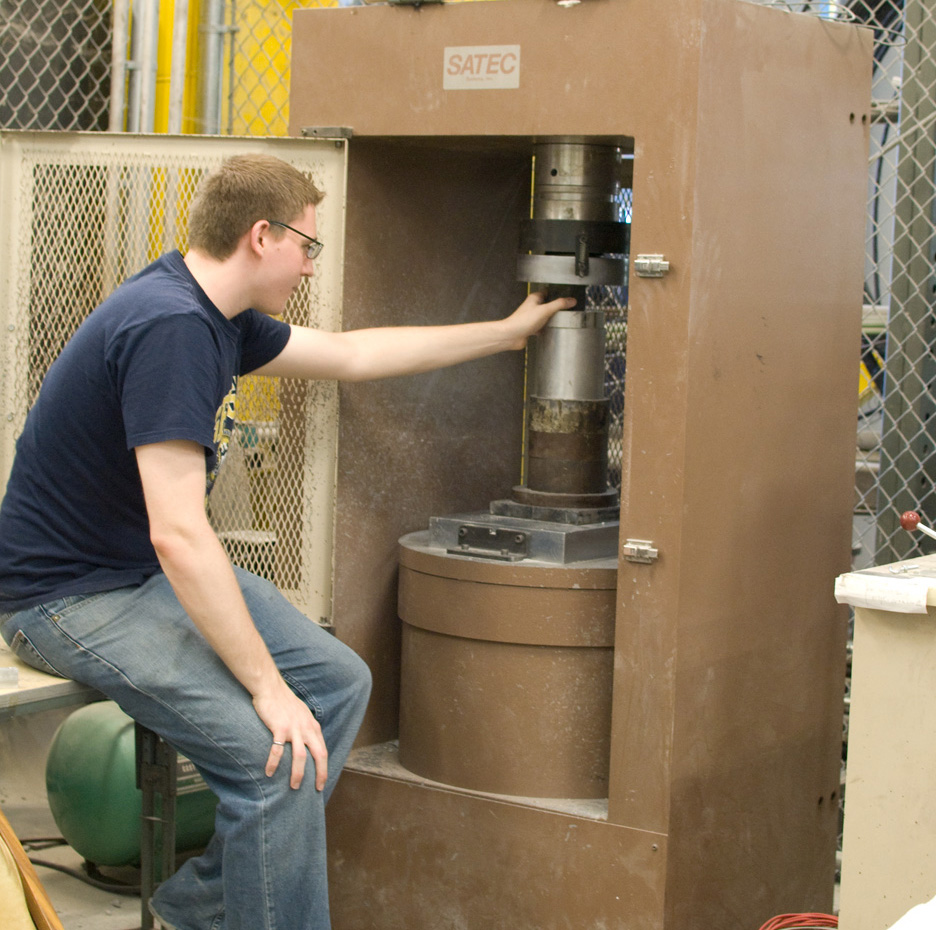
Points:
[[640, 550], [650, 266]]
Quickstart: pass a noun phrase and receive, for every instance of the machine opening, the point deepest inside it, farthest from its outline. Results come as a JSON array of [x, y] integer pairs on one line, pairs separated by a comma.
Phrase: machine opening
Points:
[[510, 612]]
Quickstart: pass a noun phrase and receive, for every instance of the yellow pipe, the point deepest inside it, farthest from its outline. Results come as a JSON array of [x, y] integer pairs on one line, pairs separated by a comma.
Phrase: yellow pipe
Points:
[[163, 65]]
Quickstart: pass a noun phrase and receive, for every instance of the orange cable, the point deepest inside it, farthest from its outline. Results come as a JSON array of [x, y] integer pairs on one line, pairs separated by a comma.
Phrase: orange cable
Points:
[[802, 921]]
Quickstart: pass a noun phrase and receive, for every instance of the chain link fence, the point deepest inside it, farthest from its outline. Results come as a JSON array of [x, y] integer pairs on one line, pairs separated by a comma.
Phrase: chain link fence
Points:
[[54, 64], [900, 325], [55, 68]]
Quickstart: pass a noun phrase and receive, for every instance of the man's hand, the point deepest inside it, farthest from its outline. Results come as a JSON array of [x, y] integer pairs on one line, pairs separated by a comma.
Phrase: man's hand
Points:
[[291, 722], [365, 354], [533, 314]]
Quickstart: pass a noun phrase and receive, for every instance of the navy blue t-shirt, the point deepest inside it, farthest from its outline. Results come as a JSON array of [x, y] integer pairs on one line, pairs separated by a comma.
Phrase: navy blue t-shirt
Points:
[[156, 361]]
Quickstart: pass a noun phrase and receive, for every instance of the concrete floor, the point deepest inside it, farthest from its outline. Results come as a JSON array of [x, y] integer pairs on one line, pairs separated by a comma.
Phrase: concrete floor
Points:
[[24, 742], [78, 905]]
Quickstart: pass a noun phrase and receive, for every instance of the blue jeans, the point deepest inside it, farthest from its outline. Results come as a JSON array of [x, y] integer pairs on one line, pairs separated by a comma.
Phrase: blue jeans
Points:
[[264, 869]]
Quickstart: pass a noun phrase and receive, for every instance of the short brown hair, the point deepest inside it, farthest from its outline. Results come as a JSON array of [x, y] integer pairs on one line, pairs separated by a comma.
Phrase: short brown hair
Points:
[[246, 188]]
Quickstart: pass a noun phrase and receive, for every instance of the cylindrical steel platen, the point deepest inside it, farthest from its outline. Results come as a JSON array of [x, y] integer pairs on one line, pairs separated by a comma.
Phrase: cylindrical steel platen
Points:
[[561, 269], [589, 508], [506, 673], [575, 181], [570, 357]]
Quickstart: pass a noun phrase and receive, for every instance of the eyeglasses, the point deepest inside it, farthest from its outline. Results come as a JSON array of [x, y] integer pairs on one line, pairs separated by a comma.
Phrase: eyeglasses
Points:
[[313, 249]]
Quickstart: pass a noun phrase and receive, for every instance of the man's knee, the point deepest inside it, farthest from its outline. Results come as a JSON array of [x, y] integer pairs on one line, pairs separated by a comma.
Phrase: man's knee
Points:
[[359, 678]]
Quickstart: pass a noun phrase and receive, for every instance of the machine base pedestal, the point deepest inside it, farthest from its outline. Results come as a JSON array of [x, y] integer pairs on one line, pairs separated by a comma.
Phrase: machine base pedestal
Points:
[[568, 867], [505, 681]]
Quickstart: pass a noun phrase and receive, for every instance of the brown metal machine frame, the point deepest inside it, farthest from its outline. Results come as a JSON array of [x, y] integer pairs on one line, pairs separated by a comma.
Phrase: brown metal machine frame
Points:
[[750, 132]]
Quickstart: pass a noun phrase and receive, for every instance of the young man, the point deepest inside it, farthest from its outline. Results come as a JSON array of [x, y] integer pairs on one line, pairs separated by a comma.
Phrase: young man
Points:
[[110, 573]]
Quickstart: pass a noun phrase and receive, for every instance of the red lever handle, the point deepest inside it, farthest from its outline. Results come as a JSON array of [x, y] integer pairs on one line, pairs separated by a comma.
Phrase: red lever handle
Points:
[[910, 520]]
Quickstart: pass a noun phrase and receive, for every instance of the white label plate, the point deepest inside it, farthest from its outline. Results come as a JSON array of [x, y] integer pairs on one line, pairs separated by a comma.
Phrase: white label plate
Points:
[[481, 67]]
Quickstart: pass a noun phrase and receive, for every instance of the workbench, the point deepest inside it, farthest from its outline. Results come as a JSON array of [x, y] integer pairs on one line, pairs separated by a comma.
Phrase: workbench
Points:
[[889, 857], [156, 763], [37, 691]]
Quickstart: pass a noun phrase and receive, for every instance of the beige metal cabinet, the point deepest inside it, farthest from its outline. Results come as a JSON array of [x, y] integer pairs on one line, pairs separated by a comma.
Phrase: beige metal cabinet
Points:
[[889, 853]]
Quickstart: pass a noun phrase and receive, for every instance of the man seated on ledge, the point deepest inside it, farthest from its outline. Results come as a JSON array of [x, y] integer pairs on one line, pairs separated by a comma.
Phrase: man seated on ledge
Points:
[[110, 573]]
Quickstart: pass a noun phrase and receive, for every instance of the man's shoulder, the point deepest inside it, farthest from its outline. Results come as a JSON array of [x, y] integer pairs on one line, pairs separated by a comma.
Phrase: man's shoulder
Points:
[[162, 282], [162, 293]]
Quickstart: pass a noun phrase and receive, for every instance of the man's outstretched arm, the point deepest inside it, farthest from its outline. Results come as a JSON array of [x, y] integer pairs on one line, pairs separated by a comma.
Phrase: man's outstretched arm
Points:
[[383, 352]]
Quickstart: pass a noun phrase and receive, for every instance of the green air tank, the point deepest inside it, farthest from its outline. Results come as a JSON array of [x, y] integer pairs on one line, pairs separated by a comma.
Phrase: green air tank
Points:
[[91, 784]]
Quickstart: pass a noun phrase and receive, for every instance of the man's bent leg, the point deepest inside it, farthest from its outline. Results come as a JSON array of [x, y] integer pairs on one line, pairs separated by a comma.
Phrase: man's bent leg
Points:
[[328, 676], [335, 683], [265, 870]]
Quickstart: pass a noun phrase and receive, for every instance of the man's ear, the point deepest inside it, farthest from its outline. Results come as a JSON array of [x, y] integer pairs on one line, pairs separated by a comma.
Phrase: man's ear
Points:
[[258, 237]]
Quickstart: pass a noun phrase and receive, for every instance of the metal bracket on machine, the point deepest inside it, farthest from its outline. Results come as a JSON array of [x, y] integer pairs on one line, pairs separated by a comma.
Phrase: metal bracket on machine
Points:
[[489, 542], [327, 132]]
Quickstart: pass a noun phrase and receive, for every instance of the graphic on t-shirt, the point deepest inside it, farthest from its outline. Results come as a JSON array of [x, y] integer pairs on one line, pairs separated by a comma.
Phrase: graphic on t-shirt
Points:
[[224, 426]]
